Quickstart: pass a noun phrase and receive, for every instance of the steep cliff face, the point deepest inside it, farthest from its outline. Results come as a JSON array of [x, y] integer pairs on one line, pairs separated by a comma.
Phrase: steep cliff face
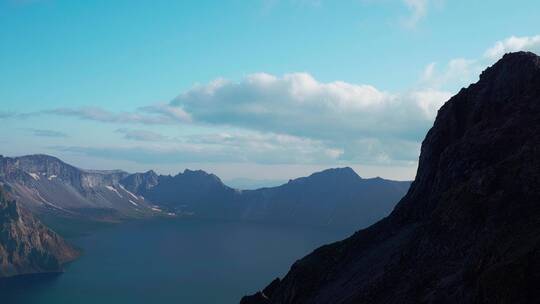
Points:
[[468, 230], [26, 245], [140, 182]]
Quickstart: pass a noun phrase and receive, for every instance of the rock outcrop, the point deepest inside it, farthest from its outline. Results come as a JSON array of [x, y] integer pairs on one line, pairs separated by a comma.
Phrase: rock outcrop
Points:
[[468, 230], [26, 245]]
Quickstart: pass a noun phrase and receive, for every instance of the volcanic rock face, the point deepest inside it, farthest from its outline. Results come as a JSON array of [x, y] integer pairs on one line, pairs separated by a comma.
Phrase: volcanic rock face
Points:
[[26, 245], [468, 230]]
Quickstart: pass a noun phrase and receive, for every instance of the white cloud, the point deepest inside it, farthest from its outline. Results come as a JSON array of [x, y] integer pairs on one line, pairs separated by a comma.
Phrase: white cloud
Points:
[[418, 9], [237, 147], [299, 105], [349, 122], [141, 135], [430, 101], [456, 73], [459, 72], [284, 119], [513, 44]]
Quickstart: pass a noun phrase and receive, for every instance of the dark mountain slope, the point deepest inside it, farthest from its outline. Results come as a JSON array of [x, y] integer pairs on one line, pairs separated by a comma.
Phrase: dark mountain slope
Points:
[[26, 245], [334, 197], [468, 230], [195, 192], [140, 182]]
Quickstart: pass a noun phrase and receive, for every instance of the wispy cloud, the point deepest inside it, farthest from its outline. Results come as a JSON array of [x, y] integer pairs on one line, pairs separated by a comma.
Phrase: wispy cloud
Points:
[[418, 10], [48, 133], [459, 72], [141, 135], [150, 115], [250, 147], [4, 115]]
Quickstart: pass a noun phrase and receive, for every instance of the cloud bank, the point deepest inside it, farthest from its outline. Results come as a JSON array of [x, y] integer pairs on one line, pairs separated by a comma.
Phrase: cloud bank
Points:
[[299, 105], [294, 118]]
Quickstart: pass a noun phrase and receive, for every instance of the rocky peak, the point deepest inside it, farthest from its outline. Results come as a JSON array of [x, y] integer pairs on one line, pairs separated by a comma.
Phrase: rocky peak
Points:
[[333, 175], [199, 176], [467, 230], [140, 182], [482, 125]]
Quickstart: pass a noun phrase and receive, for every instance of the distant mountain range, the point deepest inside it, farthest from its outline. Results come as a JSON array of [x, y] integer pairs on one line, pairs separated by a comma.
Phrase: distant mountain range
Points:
[[252, 184], [468, 230], [26, 245], [334, 197]]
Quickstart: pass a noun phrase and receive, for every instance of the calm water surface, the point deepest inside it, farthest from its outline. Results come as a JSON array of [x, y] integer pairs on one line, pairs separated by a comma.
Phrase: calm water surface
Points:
[[172, 261]]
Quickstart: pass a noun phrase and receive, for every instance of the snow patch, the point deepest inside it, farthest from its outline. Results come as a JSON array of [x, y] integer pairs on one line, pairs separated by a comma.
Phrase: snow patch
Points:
[[51, 177], [114, 190], [128, 192], [156, 209], [44, 201], [34, 175], [132, 202]]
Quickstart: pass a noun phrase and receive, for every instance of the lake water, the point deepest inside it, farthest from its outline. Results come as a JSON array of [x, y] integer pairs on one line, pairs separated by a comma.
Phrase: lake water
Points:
[[172, 261]]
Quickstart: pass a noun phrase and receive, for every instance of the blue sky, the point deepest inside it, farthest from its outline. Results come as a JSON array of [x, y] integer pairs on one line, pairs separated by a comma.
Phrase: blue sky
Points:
[[269, 89]]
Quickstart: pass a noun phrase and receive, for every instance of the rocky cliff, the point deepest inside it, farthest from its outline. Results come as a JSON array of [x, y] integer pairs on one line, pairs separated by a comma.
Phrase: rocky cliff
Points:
[[26, 245], [44, 183], [468, 230]]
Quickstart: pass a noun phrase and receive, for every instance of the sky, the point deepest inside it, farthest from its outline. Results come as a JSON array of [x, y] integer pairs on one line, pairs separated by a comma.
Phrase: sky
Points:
[[260, 89]]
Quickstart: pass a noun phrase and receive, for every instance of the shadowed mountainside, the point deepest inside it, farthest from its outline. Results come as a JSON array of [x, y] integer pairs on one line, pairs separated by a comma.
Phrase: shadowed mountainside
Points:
[[468, 230], [333, 197]]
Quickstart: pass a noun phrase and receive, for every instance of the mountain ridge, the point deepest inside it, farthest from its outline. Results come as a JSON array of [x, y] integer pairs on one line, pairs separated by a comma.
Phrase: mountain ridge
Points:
[[47, 184]]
